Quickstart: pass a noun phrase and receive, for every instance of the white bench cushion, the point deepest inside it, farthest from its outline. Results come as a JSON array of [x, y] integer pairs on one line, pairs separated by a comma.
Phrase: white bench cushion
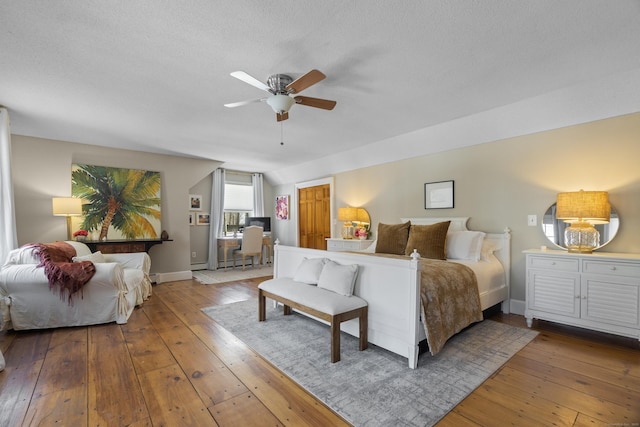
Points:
[[311, 296]]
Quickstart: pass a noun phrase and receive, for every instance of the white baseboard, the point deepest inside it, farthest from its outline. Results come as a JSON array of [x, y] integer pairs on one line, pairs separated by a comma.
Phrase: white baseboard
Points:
[[201, 266], [517, 306], [171, 276]]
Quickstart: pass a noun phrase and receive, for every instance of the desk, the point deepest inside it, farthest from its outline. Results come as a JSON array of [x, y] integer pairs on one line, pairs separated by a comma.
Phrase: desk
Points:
[[226, 243], [122, 246]]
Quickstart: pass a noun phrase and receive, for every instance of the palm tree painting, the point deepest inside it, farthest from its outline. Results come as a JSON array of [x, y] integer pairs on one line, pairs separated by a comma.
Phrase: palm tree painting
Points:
[[119, 203]]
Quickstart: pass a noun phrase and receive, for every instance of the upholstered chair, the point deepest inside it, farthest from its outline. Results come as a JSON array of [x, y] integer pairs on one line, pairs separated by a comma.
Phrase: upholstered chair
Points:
[[251, 246]]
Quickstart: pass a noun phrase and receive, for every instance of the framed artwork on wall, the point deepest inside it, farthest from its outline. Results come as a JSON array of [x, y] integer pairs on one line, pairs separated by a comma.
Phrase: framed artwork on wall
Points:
[[195, 202], [202, 218], [119, 203], [192, 218], [438, 195], [282, 207]]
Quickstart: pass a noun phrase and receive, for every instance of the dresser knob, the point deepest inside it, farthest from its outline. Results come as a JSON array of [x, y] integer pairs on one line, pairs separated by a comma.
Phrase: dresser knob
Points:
[[612, 267], [553, 263]]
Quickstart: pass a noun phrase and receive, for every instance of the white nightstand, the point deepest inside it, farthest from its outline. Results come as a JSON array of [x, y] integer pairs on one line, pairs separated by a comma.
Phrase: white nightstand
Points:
[[341, 245], [599, 291]]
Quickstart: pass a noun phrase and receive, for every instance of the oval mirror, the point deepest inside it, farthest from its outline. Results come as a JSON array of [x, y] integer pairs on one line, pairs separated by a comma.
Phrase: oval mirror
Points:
[[554, 228]]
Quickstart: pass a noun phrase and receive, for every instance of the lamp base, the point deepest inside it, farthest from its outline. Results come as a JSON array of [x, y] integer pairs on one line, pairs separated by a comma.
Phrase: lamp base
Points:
[[581, 238], [347, 232]]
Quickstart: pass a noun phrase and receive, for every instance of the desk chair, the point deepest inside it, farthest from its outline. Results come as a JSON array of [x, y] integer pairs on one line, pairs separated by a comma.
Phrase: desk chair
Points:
[[251, 246]]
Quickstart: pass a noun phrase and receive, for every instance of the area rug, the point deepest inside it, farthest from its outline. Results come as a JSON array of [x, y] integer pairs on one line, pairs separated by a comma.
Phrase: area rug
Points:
[[208, 277], [374, 387]]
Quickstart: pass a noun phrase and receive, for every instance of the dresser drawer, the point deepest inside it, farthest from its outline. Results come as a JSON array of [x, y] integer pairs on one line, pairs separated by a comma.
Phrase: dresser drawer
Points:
[[553, 263], [611, 268]]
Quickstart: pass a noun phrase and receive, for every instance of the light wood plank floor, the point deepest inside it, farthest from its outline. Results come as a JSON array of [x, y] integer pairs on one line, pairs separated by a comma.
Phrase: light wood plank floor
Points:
[[171, 365]]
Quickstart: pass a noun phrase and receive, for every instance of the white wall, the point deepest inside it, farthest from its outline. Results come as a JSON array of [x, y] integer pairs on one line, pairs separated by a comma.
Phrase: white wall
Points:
[[42, 170], [498, 184]]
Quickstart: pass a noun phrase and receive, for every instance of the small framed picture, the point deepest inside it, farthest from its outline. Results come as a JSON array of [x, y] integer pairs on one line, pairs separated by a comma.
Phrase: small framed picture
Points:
[[202, 218], [438, 195], [192, 218], [195, 202], [282, 207]]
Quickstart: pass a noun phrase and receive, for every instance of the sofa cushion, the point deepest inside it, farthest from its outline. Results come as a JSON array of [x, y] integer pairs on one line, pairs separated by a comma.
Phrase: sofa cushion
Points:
[[81, 248], [428, 240], [392, 238], [94, 258]]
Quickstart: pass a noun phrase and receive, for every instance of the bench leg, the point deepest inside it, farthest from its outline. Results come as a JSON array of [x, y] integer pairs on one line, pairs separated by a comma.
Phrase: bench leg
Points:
[[364, 328], [335, 341], [286, 310], [261, 306]]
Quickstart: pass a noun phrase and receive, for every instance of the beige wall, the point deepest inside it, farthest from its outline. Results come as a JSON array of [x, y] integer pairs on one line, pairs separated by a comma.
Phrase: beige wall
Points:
[[42, 170], [498, 184]]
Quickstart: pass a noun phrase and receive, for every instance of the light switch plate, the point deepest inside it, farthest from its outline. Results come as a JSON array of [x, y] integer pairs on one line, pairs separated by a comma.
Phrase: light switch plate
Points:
[[532, 220]]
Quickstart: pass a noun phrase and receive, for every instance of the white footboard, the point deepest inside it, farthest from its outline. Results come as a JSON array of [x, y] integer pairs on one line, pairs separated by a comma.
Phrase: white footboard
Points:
[[390, 286]]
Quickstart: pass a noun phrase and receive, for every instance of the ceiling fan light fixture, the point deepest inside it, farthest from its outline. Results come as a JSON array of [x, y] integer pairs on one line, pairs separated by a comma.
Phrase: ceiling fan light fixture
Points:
[[280, 103]]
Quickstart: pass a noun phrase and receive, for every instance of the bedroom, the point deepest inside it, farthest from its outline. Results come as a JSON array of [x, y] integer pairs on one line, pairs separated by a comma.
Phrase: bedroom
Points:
[[518, 168]]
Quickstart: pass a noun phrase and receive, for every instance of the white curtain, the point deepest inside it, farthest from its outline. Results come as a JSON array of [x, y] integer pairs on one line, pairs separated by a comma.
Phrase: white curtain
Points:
[[258, 195], [8, 236], [217, 216]]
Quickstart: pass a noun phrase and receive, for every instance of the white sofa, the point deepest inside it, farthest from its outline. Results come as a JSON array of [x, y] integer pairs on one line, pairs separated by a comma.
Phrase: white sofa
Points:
[[119, 284]]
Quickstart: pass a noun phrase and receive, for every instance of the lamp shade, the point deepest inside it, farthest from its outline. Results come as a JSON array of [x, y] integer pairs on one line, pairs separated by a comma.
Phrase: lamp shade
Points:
[[280, 103], [584, 206], [66, 206], [347, 214]]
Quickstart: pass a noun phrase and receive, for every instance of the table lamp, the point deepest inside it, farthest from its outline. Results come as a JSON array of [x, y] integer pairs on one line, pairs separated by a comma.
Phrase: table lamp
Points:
[[581, 209], [67, 206]]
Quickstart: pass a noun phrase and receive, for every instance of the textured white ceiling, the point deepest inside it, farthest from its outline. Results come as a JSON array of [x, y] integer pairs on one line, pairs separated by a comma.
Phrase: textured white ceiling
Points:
[[153, 76]]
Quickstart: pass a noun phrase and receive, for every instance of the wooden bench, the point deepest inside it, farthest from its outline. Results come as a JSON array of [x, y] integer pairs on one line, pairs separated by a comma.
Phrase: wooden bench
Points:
[[321, 303]]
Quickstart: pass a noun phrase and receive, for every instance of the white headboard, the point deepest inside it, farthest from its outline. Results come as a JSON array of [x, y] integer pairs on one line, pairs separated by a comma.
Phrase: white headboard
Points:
[[502, 240]]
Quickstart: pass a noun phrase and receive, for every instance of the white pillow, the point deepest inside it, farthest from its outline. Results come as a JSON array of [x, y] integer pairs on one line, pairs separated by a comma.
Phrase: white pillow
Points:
[[338, 278], [464, 245], [95, 257], [488, 248], [309, 270]]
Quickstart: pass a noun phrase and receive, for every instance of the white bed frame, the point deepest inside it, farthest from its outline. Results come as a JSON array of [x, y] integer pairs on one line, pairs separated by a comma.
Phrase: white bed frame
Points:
[[391, 287]]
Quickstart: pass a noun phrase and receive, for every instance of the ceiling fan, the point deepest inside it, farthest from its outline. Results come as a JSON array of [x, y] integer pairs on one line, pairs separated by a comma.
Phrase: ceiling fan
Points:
[[284, 90]]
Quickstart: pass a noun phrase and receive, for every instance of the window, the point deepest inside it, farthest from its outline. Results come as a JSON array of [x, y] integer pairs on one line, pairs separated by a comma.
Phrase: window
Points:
[[238, 204]]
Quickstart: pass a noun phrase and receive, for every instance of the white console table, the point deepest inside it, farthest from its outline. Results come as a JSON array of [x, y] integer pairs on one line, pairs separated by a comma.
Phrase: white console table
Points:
[[341, 245], [599, 291]]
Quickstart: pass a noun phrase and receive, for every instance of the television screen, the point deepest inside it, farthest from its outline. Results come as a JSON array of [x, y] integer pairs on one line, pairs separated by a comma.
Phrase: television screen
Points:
[[261, 221]]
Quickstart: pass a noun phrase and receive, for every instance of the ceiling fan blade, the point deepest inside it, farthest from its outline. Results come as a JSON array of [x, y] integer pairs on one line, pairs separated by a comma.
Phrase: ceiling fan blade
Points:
[[241, 103], [241, 75], [303, 82], [282, 117], [315, 102]]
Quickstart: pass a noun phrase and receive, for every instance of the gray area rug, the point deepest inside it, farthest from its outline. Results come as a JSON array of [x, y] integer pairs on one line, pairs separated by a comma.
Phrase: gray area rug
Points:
[[374, 387], [208, 277]]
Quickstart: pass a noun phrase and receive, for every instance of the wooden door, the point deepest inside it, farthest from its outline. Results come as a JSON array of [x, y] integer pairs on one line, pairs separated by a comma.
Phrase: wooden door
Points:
[[315, 218]]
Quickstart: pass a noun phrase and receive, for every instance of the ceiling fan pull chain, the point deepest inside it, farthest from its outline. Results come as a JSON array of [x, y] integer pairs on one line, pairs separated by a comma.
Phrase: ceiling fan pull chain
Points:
[[281, 133]]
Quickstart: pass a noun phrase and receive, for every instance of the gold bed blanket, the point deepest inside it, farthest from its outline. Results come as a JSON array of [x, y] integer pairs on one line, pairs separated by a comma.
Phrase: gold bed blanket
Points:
[[450, 300]]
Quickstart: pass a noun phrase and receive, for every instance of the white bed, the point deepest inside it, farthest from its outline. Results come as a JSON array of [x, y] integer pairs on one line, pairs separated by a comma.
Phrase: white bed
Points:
[[391, 286]]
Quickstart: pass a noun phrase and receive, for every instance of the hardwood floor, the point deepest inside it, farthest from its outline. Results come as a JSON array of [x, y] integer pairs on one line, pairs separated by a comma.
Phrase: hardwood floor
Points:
[[172, 365]]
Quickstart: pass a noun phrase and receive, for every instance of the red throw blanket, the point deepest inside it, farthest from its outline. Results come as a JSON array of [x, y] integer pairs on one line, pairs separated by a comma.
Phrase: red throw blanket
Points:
[[63, 274]]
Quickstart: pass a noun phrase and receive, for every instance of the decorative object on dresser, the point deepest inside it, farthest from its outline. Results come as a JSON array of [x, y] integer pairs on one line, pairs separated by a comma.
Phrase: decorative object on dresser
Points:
[[68, 207], [355, 219], [581, 209], [599, 291]]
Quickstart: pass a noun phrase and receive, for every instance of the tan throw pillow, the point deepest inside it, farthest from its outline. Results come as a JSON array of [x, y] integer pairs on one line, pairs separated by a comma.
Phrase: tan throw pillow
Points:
[[429, 240], [392, 238]]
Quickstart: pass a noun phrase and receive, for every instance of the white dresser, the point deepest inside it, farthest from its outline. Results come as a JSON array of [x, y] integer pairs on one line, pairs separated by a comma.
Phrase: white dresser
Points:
[[341, 245], [599, 291]]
